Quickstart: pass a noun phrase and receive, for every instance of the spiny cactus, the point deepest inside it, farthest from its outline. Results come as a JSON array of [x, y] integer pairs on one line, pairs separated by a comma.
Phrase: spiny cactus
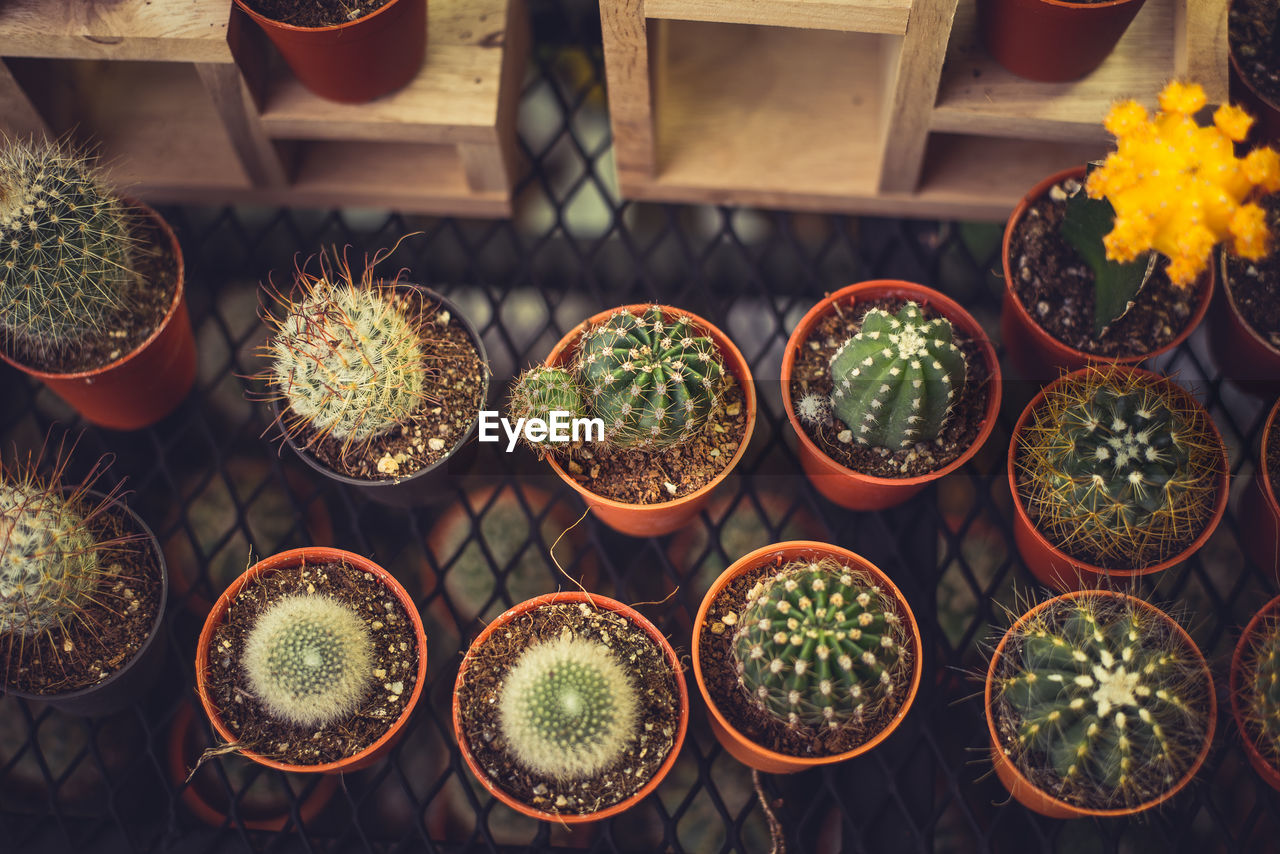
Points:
[[1261, 691], [309, 660], [49, 561], [820, 646], [65, 267], [1106, 699], [568, 708], [895, 381], [654, 381], [540, 391], [1116, 469]]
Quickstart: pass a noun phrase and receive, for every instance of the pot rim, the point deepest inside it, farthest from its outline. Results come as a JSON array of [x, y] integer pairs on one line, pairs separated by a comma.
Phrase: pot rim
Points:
[[1235, 309], [753, 560], [1080, 812], [264, 21], [638, 619], [1269, 427], [1235, 66], [1268, 769]]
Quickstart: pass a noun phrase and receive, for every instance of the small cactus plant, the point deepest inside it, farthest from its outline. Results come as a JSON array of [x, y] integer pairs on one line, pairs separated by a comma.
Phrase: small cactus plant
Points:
[[1104, 701], [1117, 468], [308, 659], [820, 646], [66, 274], [540, 391], [896, 380], [1260, 694], [568, 708]]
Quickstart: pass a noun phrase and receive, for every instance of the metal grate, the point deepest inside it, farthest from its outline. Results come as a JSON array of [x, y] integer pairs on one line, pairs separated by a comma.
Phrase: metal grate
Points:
[[212, 489]]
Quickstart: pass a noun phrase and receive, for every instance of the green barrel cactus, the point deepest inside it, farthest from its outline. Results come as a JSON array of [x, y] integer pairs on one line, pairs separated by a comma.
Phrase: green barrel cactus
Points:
[[1260, 694], [66, 274], [309, 660], [819, 645], [1106, 702], [540, 391], [653, 381], [568, 708], [895, 381], [1118, 469]]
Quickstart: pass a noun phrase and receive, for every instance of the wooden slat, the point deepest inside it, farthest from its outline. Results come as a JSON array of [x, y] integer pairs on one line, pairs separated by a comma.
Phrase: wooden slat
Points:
[[18, 116], [1200, 45], [860, 16], [626, 64], [484, 167], [234, 102], [152, 30]]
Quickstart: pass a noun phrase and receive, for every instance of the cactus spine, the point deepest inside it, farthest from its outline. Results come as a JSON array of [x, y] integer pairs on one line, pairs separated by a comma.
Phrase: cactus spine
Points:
[[309, 659], [568, 708], [540, 391], [1117, 470], [896, 380], [1261, 693], [1106, 698], [820, 646]]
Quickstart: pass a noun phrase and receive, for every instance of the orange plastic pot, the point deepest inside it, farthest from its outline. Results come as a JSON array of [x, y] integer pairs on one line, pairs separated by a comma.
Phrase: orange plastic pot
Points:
[[654, 520], [1058, 570], [845, 486], [607, 604], [1244, 357], [1239, 688], [1259, 509], [1242, 93], [1038, 355], [1050, 40], [356, 61], [738, 745], [288, 560], [146, 384], [1038, 800]]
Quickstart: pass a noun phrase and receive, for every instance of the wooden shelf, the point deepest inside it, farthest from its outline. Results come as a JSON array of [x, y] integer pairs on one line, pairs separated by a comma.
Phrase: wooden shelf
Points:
[[155, 30], [865, 16]]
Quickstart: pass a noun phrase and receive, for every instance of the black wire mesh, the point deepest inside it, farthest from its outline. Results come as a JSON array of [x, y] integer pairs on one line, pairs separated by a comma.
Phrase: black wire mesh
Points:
[[213, 489]]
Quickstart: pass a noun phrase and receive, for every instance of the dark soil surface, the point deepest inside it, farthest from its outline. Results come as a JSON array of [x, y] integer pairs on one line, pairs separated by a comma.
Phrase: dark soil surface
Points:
[[315, 13], [1252, 34], [719, 672], [812, 373], [108, 631], [395, 666], [455, 385], [1255, 285], [658, 712], [1055, 285]]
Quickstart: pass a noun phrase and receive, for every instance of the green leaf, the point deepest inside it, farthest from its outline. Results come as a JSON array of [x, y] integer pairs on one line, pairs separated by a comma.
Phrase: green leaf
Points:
[[1114, 285]]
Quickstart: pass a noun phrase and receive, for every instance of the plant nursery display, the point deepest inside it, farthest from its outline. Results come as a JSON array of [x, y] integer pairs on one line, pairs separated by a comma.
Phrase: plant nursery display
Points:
[[92, 289], [1097, 704], [1255, 691], [1259, 508], [1053, 40], [673, 404], [312, 661], [1116, 472], [1253, 63], [806, 654], [82, 591], [570, 707], [889, 385]]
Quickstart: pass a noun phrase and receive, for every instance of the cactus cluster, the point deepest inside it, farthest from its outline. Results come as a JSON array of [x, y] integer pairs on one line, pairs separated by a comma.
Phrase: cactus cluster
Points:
[[308, 660], [568, 708], [1261, 689], [1117, 468], [1107, 703], [819, 646], [66, 275]]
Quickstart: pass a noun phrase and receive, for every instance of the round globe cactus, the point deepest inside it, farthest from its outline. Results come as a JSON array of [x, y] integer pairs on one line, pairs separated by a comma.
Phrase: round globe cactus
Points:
[[1259, 698], [541, 391]]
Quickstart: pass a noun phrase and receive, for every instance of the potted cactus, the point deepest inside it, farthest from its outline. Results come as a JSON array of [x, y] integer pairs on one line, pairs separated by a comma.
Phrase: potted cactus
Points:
[[889, 386], [376, 385], [82, 592], [806, 654], [675, 406], [312, 661], [1255, 691], [1097, 704], [1259, 506], [570, 707], [92, 289], [1116, 473]]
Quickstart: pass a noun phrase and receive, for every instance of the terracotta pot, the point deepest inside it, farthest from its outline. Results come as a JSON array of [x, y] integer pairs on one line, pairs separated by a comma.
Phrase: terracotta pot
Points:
[[1036, 799], [1051, 40], [1243, 356], [1242, 93], [144, 385], [605, 603], [654, 520], [739, 745], [1038, 355], [845, 486], [132, 682], [356, 61], [1266, 769], [1259, 511], [206, 797], [427, 486], [289, 560], [1058, 570]]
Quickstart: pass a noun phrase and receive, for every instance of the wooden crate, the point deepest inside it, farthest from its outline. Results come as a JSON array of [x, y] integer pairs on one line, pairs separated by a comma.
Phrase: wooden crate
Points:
[[848, 105], [188, 102]]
